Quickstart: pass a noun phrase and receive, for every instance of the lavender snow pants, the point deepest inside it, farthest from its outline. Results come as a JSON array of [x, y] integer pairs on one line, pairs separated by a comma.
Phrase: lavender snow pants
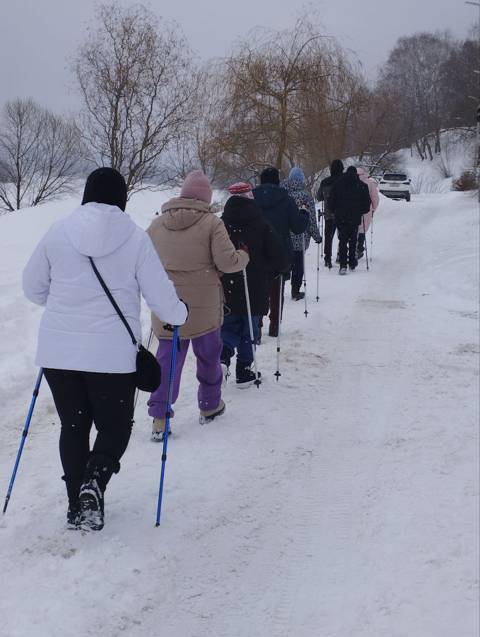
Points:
[[207, 349]]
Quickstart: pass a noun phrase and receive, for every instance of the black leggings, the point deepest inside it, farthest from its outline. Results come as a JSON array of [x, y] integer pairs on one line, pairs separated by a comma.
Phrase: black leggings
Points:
[[347, 243], [84, 398], [330, 228], [297, 270]]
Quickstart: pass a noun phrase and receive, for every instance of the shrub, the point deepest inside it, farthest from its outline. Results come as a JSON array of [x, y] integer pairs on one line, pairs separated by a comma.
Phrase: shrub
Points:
[[466, 181]]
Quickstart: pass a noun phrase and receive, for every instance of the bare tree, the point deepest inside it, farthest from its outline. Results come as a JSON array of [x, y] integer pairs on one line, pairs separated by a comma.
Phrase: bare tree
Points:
[[135, 78], [413, 74], [460, 76], [288, 99], [198, 145], [39, 154]]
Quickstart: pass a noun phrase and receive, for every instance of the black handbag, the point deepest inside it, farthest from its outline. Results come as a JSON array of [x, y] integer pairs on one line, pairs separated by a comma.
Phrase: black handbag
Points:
[[148, 372]]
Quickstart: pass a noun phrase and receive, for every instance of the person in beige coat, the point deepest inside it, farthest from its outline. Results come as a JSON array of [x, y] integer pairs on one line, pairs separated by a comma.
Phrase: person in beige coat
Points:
[[195, 250]]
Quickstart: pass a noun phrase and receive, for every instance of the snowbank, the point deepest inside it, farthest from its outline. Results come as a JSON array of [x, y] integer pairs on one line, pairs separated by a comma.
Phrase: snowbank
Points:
[[437, 175]]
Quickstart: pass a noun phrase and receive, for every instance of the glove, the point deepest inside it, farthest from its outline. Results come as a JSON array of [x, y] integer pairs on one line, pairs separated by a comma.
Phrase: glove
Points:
[[319, 241], [168, 326]]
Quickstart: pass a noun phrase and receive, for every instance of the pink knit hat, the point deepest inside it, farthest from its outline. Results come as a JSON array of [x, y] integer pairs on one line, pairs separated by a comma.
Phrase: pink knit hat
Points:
[[197, 186], [242, 189]]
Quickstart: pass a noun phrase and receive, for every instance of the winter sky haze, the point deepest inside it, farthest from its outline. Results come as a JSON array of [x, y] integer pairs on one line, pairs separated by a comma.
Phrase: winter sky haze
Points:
[[38, 37]]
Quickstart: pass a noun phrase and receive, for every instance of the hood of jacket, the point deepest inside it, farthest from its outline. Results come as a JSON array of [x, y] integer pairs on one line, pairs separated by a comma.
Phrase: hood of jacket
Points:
[[269, 195], [98, 229], [362, 173], [336, 168], [294, 185], [348, 179], [240, 211], [181, 213]]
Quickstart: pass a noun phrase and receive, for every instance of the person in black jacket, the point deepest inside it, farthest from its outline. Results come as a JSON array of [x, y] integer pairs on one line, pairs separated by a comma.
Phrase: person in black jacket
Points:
[[280, 210], [350, 200], [247, 228], [323, 194]]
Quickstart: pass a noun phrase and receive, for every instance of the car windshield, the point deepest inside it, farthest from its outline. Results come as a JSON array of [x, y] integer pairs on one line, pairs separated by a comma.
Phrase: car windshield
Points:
[[395, 177]]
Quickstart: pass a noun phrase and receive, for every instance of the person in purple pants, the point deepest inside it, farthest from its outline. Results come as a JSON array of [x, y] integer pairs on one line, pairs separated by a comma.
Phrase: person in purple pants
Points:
[[195, 249]]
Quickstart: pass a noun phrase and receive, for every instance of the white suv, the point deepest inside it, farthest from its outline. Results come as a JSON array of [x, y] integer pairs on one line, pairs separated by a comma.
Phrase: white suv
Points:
[[395, 186]]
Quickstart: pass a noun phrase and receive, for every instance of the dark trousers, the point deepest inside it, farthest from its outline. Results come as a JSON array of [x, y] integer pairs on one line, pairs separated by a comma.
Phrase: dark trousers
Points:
[[274, 294], [330, 228], [236, 336], [347, 240], [297, 270], [361, 242], [84, 398]]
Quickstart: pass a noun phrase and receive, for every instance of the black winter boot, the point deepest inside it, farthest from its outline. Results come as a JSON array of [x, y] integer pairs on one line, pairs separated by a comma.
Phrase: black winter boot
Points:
[[73, 491], [360, 245], [245, 375], [99, 471], [297, 295]]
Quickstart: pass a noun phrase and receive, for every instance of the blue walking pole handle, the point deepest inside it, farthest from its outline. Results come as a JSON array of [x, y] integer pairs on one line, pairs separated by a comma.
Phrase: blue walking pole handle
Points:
[[173, 364], [23, 438]]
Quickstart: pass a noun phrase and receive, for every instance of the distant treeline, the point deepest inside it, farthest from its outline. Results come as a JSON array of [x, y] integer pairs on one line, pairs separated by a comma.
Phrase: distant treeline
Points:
[[149, 109]]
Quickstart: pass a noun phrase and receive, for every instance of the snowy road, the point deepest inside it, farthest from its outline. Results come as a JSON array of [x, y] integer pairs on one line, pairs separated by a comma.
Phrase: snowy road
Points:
[[340, 501]]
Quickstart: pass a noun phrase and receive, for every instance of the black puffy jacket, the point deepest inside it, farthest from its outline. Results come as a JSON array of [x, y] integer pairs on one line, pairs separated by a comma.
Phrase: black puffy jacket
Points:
[[349, 199], [323, 194], [245, 225], [282, 214]]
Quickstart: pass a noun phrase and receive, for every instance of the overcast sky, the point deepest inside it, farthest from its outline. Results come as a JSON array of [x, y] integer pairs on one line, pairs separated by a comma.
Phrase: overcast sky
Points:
[[37, 37]]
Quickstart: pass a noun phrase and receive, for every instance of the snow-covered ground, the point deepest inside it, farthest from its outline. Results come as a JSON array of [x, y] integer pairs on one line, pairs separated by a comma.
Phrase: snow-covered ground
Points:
[[339, 502]]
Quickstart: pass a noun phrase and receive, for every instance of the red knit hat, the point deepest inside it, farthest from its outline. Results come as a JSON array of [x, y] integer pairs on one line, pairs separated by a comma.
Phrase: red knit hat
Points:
[[197, 186], [242, 189]]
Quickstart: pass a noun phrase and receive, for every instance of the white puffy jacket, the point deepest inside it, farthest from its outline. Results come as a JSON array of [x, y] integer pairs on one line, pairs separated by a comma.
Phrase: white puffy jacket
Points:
[[80, 329]]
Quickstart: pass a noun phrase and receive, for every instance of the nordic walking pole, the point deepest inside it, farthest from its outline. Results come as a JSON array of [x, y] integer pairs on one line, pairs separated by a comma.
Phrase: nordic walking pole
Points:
[[366, 249], [371, 238], [277, 373], [250, 325], [23, 438], [304, 276], [318, 269], [168, 413], [322, 219], [149, 342]]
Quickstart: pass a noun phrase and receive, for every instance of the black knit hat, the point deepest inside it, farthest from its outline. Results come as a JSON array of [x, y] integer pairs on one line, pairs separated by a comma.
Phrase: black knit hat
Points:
[[270, 175], [106, 185], [336, 167]]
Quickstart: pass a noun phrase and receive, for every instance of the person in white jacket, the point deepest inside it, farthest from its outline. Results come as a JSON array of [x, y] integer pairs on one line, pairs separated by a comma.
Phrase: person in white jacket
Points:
[[88, 357]]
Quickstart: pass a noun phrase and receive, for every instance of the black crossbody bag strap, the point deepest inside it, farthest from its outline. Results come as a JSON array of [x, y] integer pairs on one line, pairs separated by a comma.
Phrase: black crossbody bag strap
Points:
[[113, 302]]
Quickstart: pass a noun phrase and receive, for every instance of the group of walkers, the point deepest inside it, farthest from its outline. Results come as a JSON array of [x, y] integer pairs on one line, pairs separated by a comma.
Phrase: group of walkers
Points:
[[214, 278], [350, 200]]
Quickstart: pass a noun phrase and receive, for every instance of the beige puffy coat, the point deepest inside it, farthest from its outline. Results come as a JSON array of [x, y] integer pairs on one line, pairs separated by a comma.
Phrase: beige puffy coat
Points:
[[195, 249]]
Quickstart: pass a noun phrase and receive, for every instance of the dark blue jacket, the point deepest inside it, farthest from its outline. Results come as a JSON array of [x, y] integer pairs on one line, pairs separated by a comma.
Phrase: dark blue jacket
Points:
[[280, 210]]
